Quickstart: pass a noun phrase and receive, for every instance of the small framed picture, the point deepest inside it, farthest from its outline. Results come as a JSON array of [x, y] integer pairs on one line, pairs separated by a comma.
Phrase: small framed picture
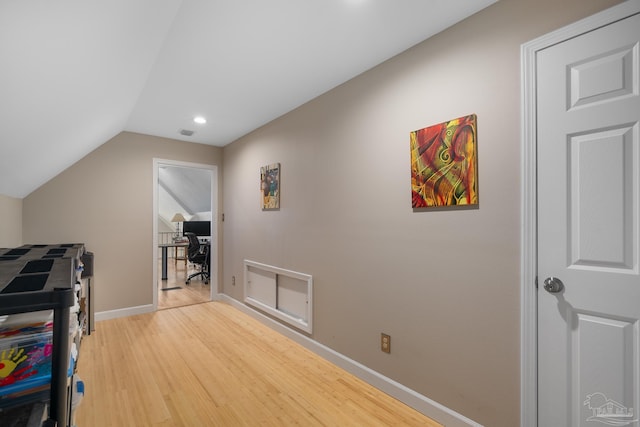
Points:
[[270, 186]]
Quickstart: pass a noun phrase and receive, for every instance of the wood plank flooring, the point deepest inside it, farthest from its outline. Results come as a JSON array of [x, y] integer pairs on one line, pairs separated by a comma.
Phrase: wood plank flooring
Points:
[[212, 365], [194, 293]]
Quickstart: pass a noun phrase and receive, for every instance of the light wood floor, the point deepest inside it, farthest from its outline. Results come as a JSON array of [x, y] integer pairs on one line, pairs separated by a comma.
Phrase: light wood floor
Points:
[[176, 293], [212, 365]]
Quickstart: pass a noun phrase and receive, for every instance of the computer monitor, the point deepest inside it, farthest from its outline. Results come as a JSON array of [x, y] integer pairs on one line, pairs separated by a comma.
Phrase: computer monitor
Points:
[[199, 228]]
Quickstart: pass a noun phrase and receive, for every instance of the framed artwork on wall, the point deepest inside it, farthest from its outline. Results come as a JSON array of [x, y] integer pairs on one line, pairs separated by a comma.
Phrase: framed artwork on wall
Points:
[[444, 164], [270, 186]]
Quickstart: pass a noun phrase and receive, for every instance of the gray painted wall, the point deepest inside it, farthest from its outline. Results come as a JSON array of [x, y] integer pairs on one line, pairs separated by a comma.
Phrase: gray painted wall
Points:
[[10, 222], [444, 284], [106, 201]]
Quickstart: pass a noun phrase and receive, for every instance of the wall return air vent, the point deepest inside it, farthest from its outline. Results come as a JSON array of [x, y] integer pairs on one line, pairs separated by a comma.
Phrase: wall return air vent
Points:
[[284, 294]]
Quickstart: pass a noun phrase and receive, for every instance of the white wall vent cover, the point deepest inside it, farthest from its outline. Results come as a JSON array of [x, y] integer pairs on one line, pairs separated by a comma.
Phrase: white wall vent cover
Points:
[[284, 294]]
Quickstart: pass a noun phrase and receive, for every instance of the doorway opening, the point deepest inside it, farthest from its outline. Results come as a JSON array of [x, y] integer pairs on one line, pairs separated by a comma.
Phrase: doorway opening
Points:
[[184, 195]]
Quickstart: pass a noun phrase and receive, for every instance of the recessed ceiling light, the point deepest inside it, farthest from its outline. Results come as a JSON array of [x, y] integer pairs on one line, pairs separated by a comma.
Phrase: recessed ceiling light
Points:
[[200, 120]]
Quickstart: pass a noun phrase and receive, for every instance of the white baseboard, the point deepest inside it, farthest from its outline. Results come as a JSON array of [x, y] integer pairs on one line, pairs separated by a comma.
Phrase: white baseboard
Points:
[[417, 401], [123, 312]]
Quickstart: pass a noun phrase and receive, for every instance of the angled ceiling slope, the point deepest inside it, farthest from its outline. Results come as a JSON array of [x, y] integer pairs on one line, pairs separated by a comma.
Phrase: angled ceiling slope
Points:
[[76, 73], [188, 191]]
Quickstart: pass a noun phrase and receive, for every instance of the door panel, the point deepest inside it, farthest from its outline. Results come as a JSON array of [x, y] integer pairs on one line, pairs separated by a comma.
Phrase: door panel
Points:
[[588, 224], [601, 191], [604, 77], [603, 351]]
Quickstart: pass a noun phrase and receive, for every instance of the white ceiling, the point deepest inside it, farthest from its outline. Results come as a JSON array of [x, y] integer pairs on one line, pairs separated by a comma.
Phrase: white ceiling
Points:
[[75, 73], [183, 190]]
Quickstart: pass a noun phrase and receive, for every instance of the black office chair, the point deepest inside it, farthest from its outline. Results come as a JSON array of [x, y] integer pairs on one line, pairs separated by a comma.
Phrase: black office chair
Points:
[[198, 255]]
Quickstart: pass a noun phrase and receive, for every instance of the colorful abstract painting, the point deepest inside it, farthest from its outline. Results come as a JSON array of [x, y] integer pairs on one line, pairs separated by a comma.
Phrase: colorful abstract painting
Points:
[[444, 164], [270, 186]]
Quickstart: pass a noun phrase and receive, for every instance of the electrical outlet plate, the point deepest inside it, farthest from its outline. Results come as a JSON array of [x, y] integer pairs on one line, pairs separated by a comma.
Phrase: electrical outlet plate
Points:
[[385, 343]]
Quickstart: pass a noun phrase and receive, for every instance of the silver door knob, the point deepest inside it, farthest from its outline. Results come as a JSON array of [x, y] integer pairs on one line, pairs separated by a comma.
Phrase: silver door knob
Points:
[[553, 285]]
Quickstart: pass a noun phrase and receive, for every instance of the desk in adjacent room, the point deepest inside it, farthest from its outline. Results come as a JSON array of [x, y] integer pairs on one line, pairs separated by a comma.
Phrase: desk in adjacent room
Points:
[[165, 248]]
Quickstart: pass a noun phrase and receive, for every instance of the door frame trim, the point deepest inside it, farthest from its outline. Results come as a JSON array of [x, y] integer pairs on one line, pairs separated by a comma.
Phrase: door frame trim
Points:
[[214, 244], [528, 203]]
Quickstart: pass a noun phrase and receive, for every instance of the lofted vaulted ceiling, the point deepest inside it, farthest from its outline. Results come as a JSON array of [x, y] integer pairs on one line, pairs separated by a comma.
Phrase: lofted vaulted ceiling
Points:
[[75, 73], [183, 190]]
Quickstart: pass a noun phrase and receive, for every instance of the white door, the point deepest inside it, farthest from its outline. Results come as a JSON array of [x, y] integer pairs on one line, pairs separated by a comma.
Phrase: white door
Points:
[[588, 228]]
